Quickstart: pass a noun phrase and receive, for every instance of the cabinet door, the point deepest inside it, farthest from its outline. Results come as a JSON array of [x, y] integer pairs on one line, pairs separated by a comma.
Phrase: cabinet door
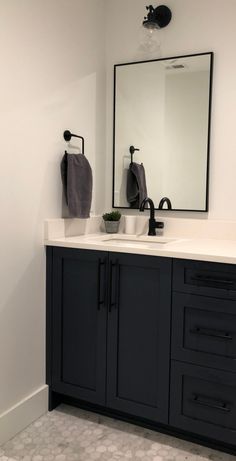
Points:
[[79, 324], [139, 335]]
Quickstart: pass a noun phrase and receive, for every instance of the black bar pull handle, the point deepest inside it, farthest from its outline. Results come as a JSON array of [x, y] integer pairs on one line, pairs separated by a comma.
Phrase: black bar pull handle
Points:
[[210, 403], [100, 301], [215, 334], [209, 279], [114, 299], [117, 285]]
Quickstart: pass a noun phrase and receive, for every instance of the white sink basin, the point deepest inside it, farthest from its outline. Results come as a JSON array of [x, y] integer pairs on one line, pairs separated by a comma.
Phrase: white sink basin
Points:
[[138, 241]]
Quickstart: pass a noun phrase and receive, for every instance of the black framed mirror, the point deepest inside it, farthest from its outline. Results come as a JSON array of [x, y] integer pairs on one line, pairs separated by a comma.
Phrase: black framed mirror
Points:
[[162, 108]]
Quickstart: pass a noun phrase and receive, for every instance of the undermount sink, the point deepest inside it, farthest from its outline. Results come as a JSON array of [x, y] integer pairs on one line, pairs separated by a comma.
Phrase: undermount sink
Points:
[[139, 241]]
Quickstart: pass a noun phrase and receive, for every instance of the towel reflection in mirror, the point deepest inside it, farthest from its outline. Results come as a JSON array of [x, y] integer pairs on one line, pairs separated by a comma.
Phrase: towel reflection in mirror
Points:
[[136, 190]]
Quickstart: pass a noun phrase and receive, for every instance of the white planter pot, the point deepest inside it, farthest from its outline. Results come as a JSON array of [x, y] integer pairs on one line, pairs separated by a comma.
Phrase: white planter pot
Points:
[[112, 227]]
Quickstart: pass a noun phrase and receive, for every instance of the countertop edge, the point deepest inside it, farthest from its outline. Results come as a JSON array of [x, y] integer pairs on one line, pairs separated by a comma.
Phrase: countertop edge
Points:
[[165, 253]]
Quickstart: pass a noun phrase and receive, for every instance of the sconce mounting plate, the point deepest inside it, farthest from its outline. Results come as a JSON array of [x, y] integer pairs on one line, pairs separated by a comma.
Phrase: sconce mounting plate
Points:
[[158, 17]]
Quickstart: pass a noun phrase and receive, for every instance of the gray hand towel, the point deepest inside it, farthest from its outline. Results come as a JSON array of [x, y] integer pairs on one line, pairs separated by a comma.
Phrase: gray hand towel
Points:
[[136, 185], [77, 182], [64, 168]]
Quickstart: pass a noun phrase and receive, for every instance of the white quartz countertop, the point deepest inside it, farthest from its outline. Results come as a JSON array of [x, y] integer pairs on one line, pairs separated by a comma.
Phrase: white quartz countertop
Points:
[[203, 249]]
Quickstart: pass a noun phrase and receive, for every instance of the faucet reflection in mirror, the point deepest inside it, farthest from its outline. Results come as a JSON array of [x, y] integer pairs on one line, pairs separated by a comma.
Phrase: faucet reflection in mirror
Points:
[[163, 106], [162, 203]]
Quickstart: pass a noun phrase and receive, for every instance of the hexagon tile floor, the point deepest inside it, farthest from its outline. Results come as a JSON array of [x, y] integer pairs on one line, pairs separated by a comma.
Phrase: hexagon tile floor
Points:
[[70, 434]]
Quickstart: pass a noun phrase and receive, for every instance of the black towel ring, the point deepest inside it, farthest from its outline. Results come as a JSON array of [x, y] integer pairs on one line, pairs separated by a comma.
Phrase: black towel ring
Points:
[[68, 135]]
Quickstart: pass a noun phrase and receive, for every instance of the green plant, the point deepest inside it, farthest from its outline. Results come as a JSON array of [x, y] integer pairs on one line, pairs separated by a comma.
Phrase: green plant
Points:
[[112, 216]]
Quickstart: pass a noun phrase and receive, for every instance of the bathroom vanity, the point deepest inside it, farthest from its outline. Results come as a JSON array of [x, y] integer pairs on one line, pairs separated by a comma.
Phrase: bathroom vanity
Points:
[[145, 334]]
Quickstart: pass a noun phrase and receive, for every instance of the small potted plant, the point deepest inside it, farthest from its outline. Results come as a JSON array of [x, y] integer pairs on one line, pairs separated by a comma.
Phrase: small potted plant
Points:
[[112, 221]]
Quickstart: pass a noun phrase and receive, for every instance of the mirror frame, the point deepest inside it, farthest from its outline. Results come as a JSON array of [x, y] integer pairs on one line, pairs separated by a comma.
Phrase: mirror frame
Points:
[[211, 55]]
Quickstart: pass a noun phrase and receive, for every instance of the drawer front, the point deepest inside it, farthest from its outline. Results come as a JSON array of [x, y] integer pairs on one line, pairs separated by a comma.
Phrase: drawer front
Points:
[[209, 279], [203, 401], [204, 331]]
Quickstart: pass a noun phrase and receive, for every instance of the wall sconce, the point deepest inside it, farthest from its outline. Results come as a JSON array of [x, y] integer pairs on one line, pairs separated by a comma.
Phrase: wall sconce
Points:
[[157, 17]]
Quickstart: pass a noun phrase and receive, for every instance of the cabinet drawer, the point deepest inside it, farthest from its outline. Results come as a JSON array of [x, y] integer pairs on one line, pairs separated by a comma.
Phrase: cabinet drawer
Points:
[[204, 331], [203, 401], [210, 279]]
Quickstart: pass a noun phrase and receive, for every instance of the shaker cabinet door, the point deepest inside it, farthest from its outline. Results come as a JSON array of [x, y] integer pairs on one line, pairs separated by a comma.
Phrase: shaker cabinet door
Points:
[[139, 335], [79, 324]]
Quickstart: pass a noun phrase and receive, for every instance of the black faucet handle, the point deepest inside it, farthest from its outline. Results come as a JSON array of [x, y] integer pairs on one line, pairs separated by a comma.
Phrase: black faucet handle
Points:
[[159, 225]]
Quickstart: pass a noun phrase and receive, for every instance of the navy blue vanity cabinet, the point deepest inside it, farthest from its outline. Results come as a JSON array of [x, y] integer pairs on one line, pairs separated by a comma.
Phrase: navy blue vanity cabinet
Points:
[[108, 330], [203, 353], [144, 338], [77, 366], [139, 336]]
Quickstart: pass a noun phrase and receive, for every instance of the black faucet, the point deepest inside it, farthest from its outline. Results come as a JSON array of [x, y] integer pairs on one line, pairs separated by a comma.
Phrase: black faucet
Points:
[[153, 224], [165, 200]]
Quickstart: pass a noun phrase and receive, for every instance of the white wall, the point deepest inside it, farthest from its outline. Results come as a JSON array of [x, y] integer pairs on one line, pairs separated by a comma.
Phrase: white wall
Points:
[[196, 26], [52, 78]]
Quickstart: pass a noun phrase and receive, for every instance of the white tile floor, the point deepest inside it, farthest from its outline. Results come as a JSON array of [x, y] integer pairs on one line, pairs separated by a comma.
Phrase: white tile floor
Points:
[[70, 434]]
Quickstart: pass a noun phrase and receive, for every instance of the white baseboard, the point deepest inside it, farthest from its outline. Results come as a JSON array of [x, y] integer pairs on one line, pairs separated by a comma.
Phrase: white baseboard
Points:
[[23, 413]]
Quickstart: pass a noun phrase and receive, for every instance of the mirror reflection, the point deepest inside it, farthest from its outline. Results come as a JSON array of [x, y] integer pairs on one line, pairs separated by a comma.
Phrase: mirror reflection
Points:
[[161, 132]]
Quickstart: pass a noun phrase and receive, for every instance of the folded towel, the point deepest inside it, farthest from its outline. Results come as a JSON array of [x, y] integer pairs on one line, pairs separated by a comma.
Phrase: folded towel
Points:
[[136, 190], [77, 182]]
